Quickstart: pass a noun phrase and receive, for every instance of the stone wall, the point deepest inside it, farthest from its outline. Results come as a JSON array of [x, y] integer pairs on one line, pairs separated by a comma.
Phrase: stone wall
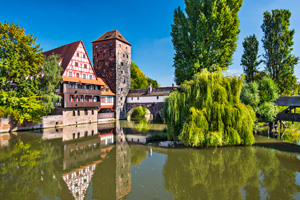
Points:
[[80, 116], [9, 124]]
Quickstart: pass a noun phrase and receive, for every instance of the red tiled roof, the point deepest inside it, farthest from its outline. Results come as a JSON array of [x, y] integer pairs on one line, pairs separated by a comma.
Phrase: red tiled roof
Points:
[[112, 35], [66, 53], [82, 80]]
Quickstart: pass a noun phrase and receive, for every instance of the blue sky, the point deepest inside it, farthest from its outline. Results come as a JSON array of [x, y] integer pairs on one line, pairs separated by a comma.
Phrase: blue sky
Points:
[[145, 24]]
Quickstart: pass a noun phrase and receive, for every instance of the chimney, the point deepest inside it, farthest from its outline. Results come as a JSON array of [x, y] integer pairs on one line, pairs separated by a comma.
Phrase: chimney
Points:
[[149, 88]]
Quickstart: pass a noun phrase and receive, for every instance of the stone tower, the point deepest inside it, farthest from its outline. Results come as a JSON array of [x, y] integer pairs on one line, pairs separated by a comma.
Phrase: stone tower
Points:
[[112, 60]]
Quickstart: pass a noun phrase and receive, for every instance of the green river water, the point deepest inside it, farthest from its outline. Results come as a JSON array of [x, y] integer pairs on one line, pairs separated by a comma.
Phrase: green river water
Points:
[[111, 161]]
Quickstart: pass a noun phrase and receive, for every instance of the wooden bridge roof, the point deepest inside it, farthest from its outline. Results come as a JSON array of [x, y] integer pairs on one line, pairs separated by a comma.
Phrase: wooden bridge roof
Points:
[[288, 101]]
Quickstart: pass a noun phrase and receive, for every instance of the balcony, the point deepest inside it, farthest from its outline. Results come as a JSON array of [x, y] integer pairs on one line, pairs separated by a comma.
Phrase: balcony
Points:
[[75, 104], [80, 91]]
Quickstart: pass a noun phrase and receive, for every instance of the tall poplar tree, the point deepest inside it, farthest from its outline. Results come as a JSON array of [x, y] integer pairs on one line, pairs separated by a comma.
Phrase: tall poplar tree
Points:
[[206, 34], [250, 57], [277, 42]]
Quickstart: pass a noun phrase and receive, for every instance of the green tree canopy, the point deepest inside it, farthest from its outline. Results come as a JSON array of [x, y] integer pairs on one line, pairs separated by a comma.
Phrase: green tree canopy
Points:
[[261, 97], [206, 33], [207, 111], [22, 87], [139, 80], [250, 57], [277, 42]]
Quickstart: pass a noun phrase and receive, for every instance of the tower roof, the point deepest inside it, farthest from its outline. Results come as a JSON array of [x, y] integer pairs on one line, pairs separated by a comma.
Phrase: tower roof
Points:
[[112, 35]]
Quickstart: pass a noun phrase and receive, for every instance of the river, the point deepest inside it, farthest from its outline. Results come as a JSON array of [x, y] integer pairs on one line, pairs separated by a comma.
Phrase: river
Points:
[[111, 161]]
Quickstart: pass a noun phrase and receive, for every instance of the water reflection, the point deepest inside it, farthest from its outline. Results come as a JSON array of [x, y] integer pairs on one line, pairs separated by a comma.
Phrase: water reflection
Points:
[[103, 162]]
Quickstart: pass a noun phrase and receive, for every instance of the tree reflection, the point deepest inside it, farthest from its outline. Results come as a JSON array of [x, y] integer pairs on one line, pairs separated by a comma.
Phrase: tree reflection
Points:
[[224, 172], [138, 154], [28, 172]]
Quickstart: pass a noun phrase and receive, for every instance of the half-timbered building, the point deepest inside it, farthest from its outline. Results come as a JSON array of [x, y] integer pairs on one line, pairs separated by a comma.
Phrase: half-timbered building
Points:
[[80, 88]]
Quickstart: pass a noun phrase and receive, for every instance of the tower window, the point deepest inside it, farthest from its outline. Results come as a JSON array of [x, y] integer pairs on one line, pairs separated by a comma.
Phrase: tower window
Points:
[[92, 112], [122, 72], [121, 89], [103, 54], [85, 65], [122, 63], [96, 46], [110, 44], [103, 45], [157, 97], [119, 45], [123, 55], [127, 56], [78, 112]]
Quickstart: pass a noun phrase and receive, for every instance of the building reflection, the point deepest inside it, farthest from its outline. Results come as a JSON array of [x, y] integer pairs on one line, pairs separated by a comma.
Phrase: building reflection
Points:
[[95, 157]]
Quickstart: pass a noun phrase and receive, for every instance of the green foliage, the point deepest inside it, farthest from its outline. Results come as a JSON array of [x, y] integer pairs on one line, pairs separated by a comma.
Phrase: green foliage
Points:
[[250, 57], [139, 112], [268, 90], [267, 110], [277, 42], [206, 111], [261, 97], [250, 95], [21, 86], [206, 34], [49, 81], [139, 79]]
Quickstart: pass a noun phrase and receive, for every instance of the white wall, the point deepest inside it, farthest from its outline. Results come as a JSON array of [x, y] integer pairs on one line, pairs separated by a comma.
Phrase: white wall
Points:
[[148, 99]]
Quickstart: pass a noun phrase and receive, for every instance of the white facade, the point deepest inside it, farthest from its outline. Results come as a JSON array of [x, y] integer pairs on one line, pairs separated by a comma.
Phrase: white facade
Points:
[[146, 99]]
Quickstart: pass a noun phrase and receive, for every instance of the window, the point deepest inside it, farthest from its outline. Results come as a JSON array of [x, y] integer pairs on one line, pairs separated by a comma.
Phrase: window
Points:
[[138, 98], [92, 114], [121, 89], [124, 81], [85, 112], [84, 76], [77, 75], [103, 45], [103, 54], [127, 56], [85, 133], [70, 74], [77, 54], [70, 85], [119, 45], [91, 77], [78, 112], [122, 63], [87, 87], [110, 44], [96, 46], [85, 65], [157, 97], [76, 64], [74, 114], [81, 99], [78, 135], [87, 99], [76, 85], [122, 72], [92, 87], [73, 136], [131, 98], [123, 55], [126, 47], [71, 98], [95, 99], [83, 56], [102, 99], [121, 98]]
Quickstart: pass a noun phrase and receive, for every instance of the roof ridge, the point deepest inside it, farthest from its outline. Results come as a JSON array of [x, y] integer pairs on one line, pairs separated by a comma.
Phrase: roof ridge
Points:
[[63, 46]]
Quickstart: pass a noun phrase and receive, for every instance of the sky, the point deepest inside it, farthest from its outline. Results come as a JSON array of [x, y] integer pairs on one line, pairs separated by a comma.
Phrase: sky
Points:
[[145, 24]]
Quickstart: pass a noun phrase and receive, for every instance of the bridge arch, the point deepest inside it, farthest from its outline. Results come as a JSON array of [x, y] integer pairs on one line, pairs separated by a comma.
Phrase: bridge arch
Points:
[[149, 114]]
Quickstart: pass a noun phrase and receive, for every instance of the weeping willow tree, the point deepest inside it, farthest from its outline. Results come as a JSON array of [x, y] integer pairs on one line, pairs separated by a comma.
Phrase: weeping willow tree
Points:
[[206, 111]]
